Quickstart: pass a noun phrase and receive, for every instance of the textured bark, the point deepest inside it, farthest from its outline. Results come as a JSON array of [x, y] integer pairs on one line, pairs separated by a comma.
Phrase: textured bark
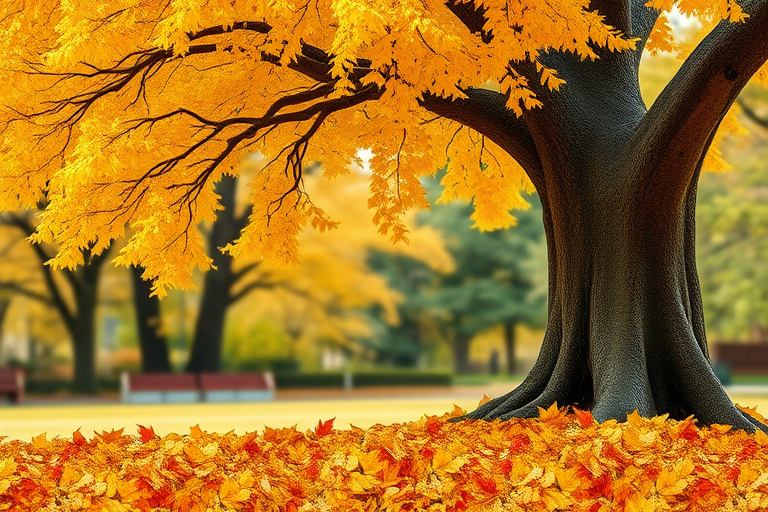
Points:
[[625, 328], [153, 345]]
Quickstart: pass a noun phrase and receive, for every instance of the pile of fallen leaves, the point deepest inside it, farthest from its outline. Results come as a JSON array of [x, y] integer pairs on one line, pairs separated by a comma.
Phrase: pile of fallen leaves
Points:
[[562, 460]]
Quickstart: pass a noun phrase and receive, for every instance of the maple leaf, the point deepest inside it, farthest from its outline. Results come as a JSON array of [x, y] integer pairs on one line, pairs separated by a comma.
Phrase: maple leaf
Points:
[[552, 413], [484, 400], [584, 417], [443, 460], [195, 432], [78, 438], [669, 484], [147, 434], [324, 428], [110, 437]]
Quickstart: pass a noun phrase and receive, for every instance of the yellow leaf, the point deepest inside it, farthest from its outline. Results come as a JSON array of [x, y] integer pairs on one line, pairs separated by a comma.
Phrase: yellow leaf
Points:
[[668, 484], [445, 461]]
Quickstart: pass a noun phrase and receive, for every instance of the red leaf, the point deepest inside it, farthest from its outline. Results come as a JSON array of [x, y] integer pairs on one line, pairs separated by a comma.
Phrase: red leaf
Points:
[[433, 425], [78, 438], [485, 483], [147, 434], [291, 507], [324, 428], [585, 417]]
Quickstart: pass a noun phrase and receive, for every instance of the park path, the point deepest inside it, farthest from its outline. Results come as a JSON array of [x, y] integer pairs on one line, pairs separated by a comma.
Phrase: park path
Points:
[[303, 408]]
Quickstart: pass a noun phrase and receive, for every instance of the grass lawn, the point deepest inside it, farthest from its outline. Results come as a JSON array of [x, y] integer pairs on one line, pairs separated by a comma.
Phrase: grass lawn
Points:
[[24, 422]]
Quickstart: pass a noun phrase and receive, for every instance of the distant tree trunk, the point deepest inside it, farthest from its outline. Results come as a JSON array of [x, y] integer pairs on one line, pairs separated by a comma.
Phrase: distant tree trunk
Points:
[[461, 353], [83, 328], [509, 345], [208, 340], [152, 344], [5, 305]]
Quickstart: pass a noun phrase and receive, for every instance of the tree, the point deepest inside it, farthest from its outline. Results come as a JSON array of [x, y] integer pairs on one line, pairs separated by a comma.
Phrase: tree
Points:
[[72, 293], [135, 109], [733, 217], [492, 284]]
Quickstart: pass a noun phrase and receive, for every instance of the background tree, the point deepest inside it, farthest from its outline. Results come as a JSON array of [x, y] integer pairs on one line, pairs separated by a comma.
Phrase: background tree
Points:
[[72, 293], [518, 96], [733, 219], [494, 282], [325, 294]]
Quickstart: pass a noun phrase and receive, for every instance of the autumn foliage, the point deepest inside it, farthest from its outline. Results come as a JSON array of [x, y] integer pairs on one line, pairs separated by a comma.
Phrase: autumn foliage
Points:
[[563, 460]]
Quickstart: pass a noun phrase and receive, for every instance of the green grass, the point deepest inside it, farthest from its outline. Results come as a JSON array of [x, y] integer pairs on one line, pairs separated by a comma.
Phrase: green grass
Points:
[[750, 380], [484, 379]]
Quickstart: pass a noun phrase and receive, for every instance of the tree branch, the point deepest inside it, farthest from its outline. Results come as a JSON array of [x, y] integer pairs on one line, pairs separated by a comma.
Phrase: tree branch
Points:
[[690, 108], [643, 19], [57, 300], [22, 290], [485, 112], [752, 115]]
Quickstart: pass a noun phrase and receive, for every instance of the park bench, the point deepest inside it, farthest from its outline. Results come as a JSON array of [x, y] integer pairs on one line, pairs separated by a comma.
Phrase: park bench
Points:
[[237, 387], [12, 384], [154, 388], [743, 358]]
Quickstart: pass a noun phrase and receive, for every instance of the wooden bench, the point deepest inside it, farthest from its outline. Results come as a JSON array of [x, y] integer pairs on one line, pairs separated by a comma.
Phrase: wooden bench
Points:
[[237, 387], [155, 388], [12, 384], [743, 358]]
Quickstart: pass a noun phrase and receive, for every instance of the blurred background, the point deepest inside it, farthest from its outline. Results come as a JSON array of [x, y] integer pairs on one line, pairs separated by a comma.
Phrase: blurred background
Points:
[[455, 306]]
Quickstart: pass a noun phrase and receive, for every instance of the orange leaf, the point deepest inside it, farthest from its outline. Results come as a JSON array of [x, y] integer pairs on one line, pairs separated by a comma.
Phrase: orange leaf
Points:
[[324, 428], [484, 400], [457, 412], [109, 437], [195, 432], [78, 438], [146, 434], [552, 413], [585, 417]]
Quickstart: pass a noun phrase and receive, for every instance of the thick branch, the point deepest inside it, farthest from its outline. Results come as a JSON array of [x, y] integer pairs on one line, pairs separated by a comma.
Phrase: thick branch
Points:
[[485, 112], [694, 102], [27, 292], [643, 19], [616, 12], [56, 298]]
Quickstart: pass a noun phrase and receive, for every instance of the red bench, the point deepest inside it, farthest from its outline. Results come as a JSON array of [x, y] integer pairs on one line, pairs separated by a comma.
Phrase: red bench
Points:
[[149, 388], [146, 388], [743, 358], [12, 384], [237, 387]]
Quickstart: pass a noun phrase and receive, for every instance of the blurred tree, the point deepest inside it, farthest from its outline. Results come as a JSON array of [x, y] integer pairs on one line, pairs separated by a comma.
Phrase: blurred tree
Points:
[[492, 283], [732, 224], [72, 293], [326, 293]]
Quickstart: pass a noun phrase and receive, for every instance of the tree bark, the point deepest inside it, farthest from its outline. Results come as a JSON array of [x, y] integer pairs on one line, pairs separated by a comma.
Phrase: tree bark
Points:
[[152, 344], [509, 345], [209, 327]]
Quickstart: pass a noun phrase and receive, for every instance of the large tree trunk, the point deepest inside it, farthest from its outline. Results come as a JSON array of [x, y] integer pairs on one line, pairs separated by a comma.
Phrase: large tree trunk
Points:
[[625, 328], [209, 328], [153, 345]]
